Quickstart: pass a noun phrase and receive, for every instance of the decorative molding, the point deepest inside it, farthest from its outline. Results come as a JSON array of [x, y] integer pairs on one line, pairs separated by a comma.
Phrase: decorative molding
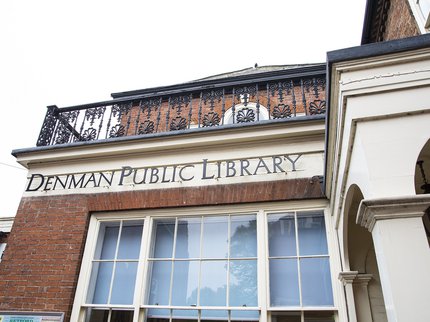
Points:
[[347, 277], [371, 210], [363, 279], [6, 224]]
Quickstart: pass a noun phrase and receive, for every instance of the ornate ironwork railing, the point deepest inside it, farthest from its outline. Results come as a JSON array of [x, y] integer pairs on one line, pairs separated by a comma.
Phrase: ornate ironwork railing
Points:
[[201, 104]]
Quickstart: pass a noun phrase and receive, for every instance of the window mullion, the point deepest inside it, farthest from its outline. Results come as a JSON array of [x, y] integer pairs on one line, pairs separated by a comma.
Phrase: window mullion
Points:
[[298, 258], [142, 271], [172, 261], [199, 313], [262, 265], [228, 262]]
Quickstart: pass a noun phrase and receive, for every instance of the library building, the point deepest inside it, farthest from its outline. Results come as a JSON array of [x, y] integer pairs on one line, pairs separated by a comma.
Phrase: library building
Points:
[[288, 193]]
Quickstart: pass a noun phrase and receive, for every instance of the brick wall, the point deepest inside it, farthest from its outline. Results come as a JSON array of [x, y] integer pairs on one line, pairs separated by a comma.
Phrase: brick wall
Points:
[[400, 21], [40, 267]]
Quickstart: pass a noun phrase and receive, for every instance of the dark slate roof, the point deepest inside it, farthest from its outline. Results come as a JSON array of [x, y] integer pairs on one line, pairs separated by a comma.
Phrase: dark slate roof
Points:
[[227, 79], [255, 70]]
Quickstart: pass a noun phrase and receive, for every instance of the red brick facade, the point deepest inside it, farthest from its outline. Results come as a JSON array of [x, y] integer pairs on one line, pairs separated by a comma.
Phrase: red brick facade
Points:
[[400, 21], [40, 267]]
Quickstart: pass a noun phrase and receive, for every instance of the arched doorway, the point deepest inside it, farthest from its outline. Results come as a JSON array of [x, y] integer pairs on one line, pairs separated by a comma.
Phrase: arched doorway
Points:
[[361, 259], [422, 181]]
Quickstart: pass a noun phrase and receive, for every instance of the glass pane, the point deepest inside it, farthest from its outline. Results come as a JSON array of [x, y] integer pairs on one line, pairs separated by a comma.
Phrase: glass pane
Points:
[[316, 282], [245, 315], [183, 315], [96, 315], [110, 238], [312, 237], [284, 283], [213, 284], [286, 317], [243, 283], [158, 315], [185, 283], [129, 244], [122, 316], [215, 237], [101, 274], [123, 283], [160, 283], [188, 238], [282, 235], [164, 233], [316, 316], [243, 236], [214, 315]]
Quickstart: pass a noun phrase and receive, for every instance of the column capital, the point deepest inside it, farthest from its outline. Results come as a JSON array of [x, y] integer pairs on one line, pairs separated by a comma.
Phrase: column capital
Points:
[[371, 210], [347, 277], [363, 279]]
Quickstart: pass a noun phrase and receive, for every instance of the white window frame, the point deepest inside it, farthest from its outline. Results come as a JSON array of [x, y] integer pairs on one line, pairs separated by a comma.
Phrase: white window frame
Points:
[[142, 279], [422, 18]]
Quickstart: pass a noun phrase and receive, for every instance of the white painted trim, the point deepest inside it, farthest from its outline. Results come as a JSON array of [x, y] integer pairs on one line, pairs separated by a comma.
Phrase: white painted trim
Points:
[[371, 210], [142, 280]]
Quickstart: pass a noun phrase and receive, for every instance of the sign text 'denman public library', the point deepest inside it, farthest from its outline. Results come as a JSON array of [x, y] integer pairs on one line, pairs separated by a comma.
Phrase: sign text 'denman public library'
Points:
[[203, 172]]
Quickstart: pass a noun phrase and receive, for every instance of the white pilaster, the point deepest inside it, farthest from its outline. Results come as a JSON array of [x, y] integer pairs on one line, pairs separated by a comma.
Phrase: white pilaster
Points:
[[364, 312], [402, 253], [347, 278]]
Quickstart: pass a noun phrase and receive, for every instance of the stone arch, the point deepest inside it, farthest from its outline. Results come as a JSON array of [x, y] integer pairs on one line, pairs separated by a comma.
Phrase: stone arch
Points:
[[360, 258], [422, 181], [422, 170]]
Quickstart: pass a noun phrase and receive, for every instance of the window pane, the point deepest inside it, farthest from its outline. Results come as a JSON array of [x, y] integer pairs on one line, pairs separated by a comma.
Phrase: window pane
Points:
[[214, 315], [321, 316], [158, 315], [312, 237], [185, 283], [316, 282], [123, 283], [129, 245], [284, 284], [188, 238], [164, 233], [102, 274], [183, 315], [286, 317], [245, 315], [243, 236], [160, 283], [215, 237], [213, 283], [96, 315], [110, 238], [243, 283], [122, 316], [282, 235]]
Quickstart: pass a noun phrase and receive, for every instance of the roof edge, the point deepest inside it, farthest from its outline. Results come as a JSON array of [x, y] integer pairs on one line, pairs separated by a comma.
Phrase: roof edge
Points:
[[222, 82]]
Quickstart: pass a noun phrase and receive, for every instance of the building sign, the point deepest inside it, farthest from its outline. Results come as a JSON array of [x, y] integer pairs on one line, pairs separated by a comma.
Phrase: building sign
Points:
[[204, 172], [31, 317]]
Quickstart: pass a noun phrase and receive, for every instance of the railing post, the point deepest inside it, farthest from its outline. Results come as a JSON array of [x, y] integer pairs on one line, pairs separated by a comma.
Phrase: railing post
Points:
[[47, 130]]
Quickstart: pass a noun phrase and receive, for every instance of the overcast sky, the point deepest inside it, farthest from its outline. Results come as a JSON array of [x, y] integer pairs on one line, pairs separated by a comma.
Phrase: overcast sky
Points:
[[74, 52]]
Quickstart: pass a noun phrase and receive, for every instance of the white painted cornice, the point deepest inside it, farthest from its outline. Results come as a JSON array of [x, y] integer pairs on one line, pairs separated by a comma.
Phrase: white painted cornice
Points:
[[6, 224], [371, 210], [294, 131]]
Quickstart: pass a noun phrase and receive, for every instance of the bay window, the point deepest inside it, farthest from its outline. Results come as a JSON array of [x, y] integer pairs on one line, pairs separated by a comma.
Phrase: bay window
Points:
[[249, 266]]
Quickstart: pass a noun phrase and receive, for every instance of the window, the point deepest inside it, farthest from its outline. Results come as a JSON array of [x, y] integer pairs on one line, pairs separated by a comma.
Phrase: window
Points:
[[201, 263], [421, 12], [424, 6], [2, 248], [202, 267], [298, 260]]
